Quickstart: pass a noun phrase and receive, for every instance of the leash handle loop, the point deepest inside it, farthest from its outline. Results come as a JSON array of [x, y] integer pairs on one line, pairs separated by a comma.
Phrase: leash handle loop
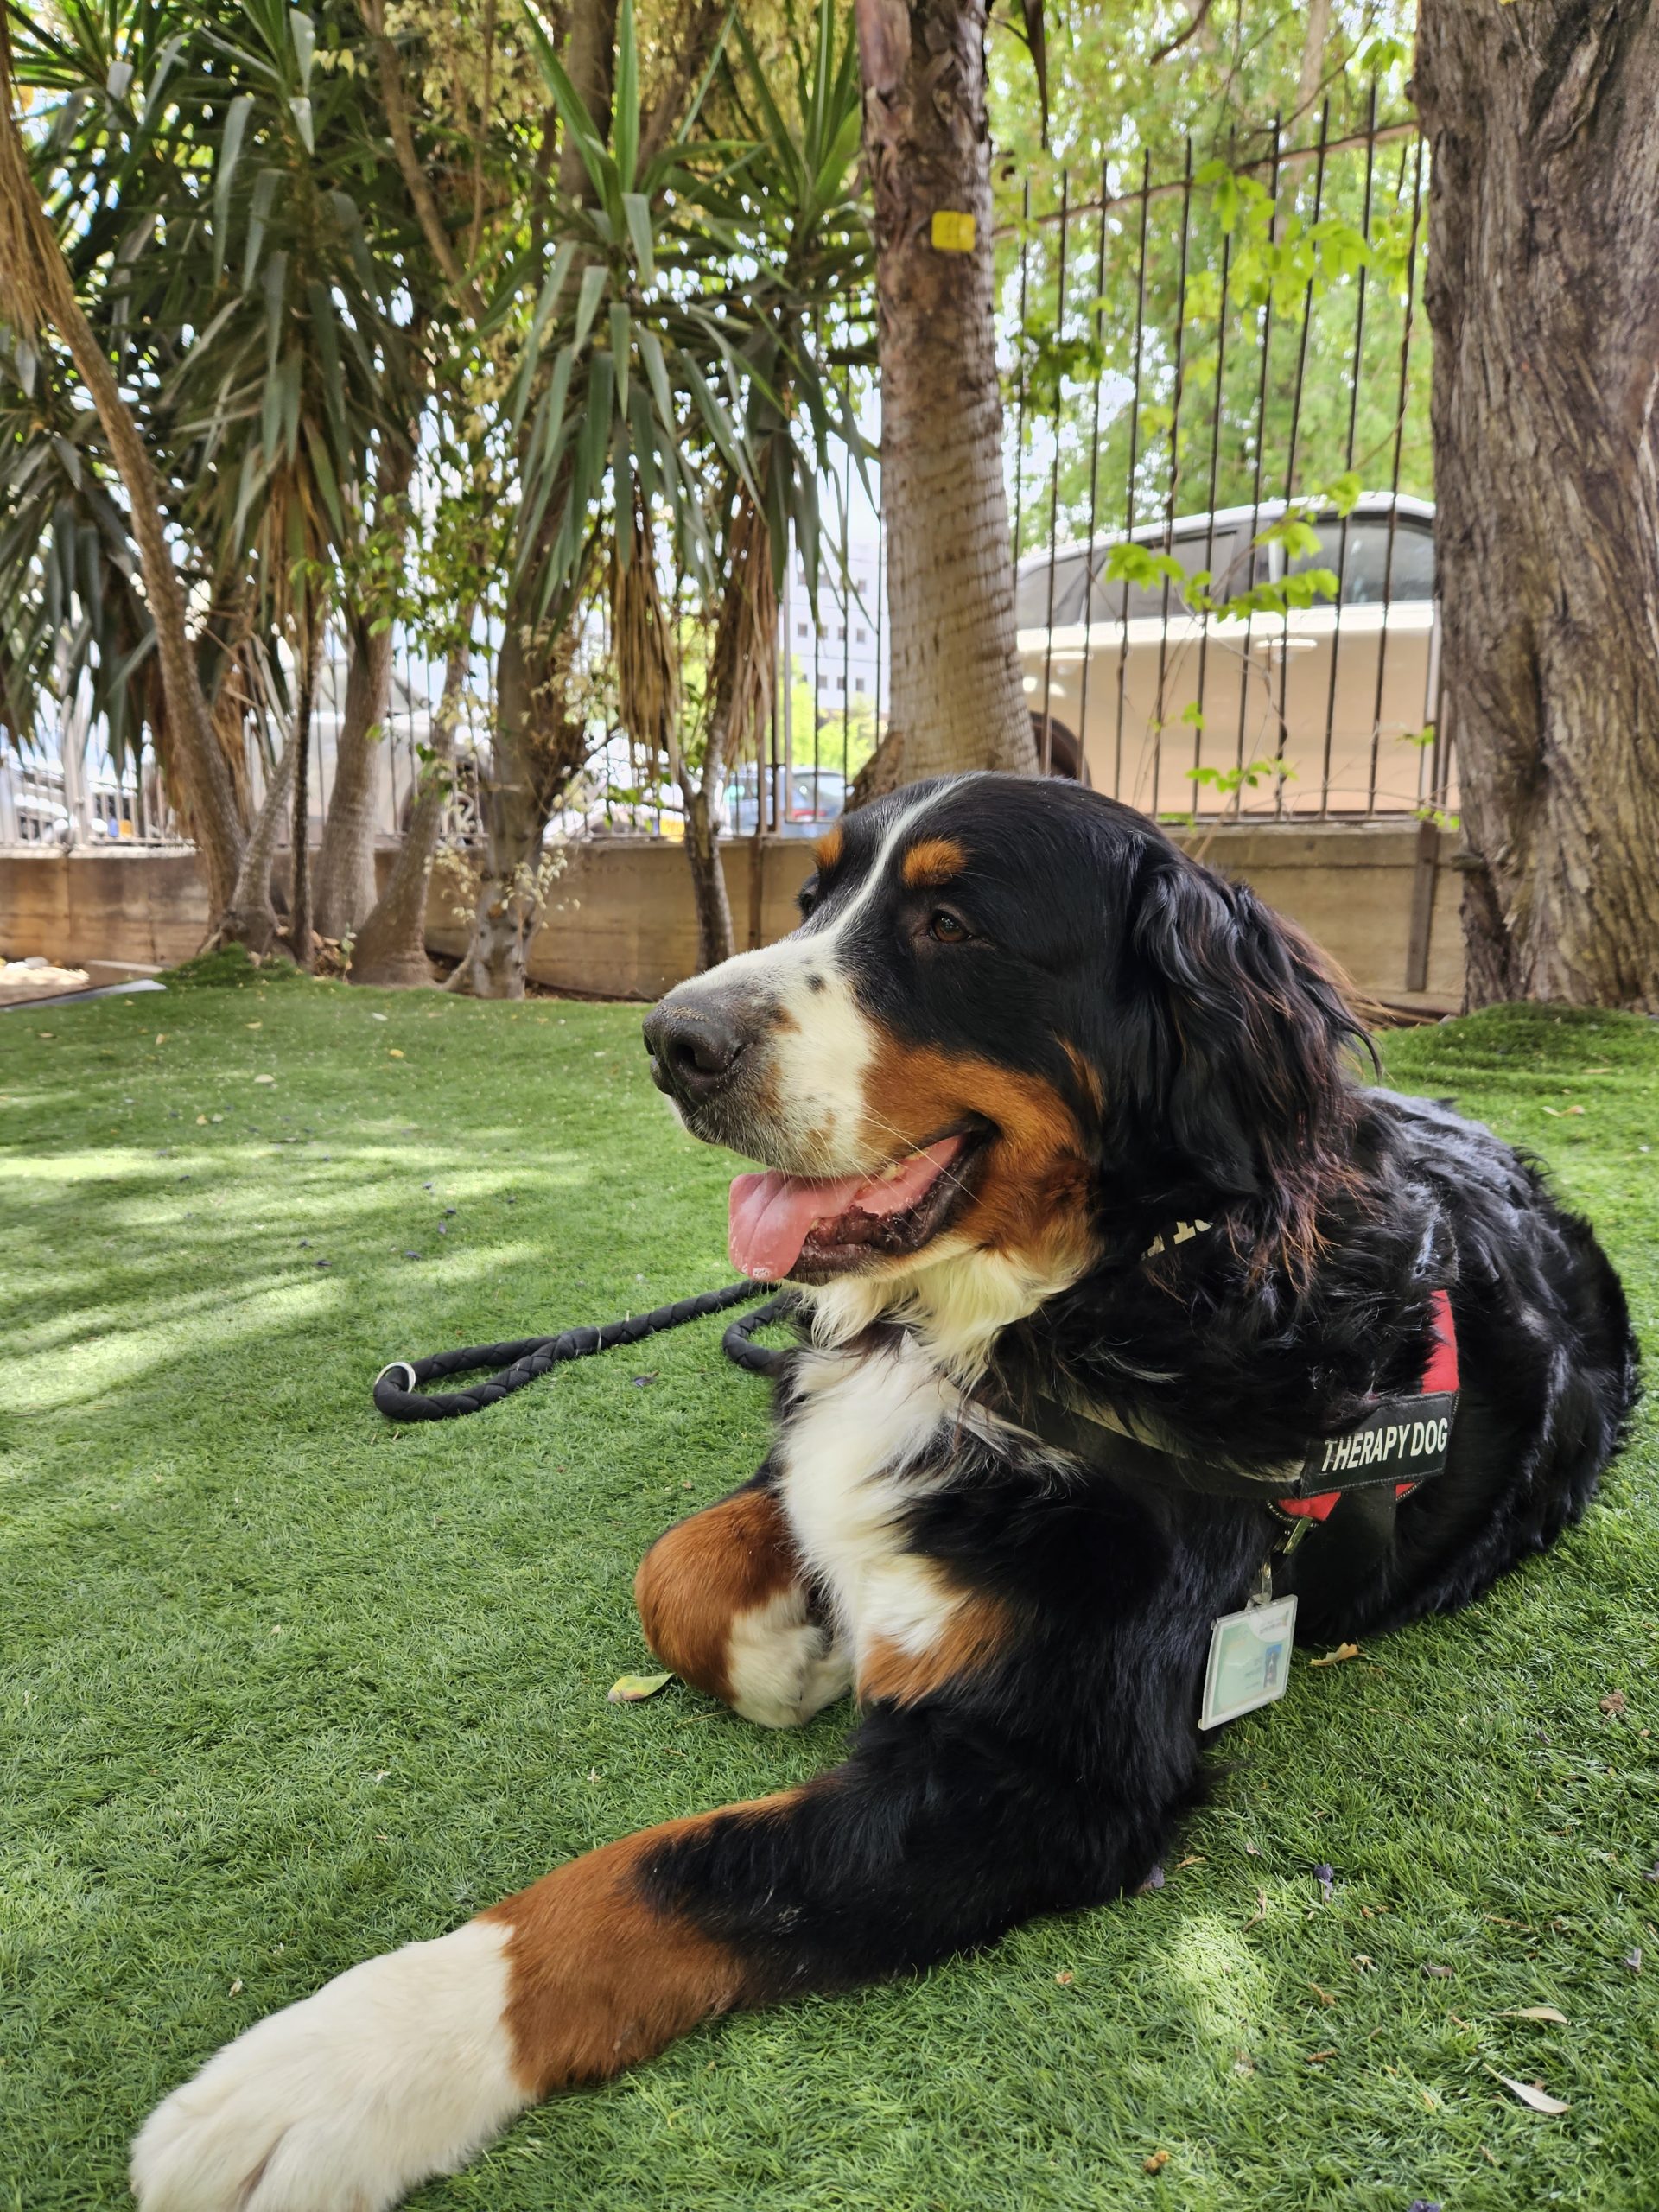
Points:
[[399, 1395]]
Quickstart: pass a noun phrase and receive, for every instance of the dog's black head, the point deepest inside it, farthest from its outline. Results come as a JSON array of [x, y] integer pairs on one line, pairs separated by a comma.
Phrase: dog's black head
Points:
[[1017, 1030]]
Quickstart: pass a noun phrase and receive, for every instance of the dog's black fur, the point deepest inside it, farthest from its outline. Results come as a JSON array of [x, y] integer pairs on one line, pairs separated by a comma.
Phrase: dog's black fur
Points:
[[1218, 1083]]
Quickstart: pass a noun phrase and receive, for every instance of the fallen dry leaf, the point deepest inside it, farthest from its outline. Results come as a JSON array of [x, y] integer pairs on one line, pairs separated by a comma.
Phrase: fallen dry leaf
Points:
[[1615, 1701], [1065, 1977], [1319, 2057], [394, 1054], [1536, 2012], [1364, 1962], [264, 1078], [1324, 1995], [1260, 1912], [1335, 1658], [629, 1689], [1156, 2163], [1439, 1973], [1192, 1858], [1532, 2093]]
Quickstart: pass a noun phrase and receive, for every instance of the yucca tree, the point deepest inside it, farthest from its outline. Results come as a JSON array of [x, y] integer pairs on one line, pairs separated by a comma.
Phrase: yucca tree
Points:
[[38, 293], [684, 410]]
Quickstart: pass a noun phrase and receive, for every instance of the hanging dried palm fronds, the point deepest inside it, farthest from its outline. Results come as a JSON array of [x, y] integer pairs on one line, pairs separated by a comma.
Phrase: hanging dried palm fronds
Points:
[[644, 646]]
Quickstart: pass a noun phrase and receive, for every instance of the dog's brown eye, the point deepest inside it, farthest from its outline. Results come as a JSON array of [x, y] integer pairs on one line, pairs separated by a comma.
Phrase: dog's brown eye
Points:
[[946, 928]]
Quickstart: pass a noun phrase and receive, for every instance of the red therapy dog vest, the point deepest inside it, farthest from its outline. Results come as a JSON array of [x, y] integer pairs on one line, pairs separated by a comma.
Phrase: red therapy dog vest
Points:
[[1412, 1433]]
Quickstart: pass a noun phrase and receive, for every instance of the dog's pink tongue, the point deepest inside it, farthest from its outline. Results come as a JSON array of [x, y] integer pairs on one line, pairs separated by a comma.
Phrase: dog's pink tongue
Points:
[[772, 1214]]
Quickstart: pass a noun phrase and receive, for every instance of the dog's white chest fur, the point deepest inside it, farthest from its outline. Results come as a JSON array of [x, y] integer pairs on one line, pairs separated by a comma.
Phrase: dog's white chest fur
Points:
[[848, 1468]]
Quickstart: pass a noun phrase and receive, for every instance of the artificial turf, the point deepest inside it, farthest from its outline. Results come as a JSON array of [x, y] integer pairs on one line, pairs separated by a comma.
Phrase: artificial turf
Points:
[[283, 1685]]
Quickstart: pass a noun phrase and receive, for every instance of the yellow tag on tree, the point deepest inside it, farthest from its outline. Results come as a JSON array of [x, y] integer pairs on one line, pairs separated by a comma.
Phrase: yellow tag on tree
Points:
[[952, 232]]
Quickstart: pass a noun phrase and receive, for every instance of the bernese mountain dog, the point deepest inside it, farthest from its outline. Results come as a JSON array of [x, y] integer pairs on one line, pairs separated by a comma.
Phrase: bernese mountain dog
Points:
[[1100, 1237]]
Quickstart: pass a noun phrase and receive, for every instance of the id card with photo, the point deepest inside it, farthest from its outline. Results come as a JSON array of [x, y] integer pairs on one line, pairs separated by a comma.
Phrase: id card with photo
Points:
[[1249, 1660]]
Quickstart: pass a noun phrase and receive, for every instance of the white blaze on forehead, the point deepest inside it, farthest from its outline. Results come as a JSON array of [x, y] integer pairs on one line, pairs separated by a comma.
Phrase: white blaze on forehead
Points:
[[822, 1048]]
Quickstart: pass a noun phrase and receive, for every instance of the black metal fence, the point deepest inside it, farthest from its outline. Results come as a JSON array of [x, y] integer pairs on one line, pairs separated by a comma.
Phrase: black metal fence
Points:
[[1221, 486]]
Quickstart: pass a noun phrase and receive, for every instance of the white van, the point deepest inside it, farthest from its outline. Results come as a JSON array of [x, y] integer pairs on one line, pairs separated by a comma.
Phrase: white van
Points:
[[1324, 710]]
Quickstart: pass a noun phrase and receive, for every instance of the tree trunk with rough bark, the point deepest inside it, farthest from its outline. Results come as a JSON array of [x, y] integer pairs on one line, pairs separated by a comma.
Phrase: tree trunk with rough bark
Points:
[[534, 751], [391, 947], [343, 889], [957, 697], [36, 286], [1543, 293], [299, 903], [250, 918]]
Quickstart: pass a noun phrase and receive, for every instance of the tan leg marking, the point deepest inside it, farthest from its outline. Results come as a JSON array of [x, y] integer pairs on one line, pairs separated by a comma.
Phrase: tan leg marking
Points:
[[599, 1978], [723, 1603]]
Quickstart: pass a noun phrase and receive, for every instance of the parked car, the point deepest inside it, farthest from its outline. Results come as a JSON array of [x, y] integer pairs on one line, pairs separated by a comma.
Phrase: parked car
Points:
[[802, 801], [1336, 690]]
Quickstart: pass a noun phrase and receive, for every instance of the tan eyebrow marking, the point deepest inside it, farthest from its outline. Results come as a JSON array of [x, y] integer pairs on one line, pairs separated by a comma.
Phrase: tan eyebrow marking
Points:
[[932, 862], [826, 851]]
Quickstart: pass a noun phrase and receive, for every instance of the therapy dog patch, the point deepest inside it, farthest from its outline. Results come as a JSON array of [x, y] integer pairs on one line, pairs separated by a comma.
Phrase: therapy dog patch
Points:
[[1403, 1441]]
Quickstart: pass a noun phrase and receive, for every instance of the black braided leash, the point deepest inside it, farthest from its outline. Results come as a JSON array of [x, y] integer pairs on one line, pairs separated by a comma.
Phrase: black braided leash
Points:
[[398, 1396]]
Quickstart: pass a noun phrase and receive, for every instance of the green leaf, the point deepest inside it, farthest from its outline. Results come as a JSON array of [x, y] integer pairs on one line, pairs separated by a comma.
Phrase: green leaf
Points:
[[595, 279], [636, 211], [625, 125], [303, 32], [301, 111], [620, 322], [236, 124], [631, 1689]]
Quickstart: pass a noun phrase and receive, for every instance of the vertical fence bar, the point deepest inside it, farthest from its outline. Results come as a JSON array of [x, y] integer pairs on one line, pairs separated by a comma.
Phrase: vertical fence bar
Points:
[[1094, 490], [846, 612], [1394, 479], [1244, 672], [1175, 470], [1348, 458], [1295, 432], [1210, 534], [1134, 443], [880, 615], [1019, 357], [1045, 746]]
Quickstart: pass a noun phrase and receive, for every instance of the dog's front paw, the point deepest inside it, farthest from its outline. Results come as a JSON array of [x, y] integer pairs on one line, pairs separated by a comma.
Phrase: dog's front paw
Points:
[[399, 2070]]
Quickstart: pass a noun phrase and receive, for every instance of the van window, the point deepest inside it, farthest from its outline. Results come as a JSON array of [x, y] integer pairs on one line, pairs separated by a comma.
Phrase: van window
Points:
[[1224, 552], [1371, 574], [1031, 597]]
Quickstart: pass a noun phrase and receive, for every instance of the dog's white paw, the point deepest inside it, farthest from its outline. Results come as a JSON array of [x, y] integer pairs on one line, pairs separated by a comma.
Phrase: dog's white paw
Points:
[[399, 2070]]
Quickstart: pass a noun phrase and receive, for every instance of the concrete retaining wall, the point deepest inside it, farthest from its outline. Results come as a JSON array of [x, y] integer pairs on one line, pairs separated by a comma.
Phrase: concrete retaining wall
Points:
[[1380, 899]]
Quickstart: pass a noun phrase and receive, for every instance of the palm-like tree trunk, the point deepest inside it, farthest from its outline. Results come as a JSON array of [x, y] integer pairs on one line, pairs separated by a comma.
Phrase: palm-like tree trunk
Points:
[[35, 287], [1543, 293], [958, 699], [251, 918], [391, 947], [345, 889]]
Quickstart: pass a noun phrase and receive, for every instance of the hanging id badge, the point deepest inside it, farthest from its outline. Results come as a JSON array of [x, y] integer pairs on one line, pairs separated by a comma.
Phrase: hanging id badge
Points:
[[1249, 1656]]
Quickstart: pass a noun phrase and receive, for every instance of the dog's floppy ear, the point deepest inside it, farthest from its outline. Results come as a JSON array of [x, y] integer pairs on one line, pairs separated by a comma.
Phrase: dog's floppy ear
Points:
[[1245, 1031]]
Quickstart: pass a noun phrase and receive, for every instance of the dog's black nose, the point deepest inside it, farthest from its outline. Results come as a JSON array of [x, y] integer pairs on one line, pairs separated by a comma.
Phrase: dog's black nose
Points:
[[693, 1050]]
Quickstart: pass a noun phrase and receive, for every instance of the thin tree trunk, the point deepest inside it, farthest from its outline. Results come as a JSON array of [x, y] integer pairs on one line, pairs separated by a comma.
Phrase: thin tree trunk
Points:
[[957, 697], [250, 918], [343, 888], [1543, 293], [391, 947], [716, 940], [35, 285], [299, 903]]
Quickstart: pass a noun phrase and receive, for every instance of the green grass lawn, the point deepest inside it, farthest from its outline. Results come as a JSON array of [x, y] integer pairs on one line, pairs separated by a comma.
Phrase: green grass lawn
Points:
[[283, 1685]]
